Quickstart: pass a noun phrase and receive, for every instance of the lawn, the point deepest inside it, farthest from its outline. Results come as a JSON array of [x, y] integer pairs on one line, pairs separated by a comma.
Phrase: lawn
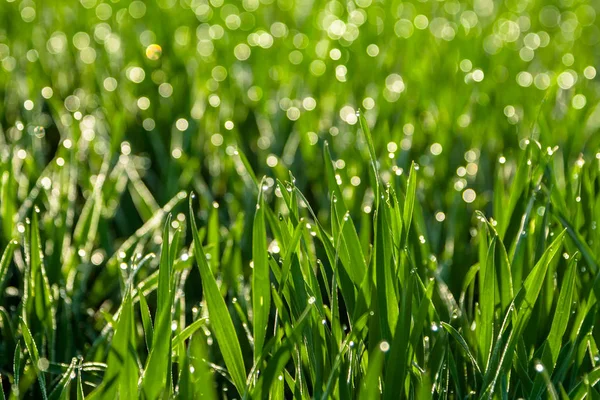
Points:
[[275, 199]]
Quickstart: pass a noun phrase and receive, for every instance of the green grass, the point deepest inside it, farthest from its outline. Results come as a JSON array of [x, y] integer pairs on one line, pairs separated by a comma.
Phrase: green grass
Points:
[[276, 199]]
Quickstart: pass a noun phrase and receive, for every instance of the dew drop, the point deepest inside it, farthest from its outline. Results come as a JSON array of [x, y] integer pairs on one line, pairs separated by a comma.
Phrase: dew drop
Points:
[[39, 132], [539, 367]]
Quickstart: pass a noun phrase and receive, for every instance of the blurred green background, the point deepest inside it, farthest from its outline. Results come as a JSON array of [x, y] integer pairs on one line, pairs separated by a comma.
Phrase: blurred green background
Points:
[[168, 90]]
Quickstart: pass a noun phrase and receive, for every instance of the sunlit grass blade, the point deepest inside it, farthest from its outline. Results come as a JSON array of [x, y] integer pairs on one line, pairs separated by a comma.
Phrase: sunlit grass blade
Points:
[[261, 286], [523, 306], [282, 355], [350, 251], [157, 379], [487, 277], [188, 331], [385, 273], [80, 393], [5, 263], [397, 362], [62, 388], [146, 321], [220, 319], [34, 356], [39, 295], [121, 376], [409, 201], [458, 337], [562, 313], [201, 376], [371, 384]]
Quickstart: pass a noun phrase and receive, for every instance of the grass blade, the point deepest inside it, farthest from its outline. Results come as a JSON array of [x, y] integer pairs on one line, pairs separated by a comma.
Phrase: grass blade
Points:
[[261, 286], [35, 357], [220, 318], [157, 379], [5, 263]]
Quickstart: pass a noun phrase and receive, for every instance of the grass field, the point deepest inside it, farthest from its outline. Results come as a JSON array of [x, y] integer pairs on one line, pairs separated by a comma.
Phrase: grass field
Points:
[[269, 199]]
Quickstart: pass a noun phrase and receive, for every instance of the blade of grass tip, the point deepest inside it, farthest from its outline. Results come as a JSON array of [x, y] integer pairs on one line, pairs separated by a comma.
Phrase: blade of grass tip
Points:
[[261, 286], [220, 319], [248, 167], [517, 188], [35, 357], [458, 337], [214, 236], [157, 379], [563, 310], [146, 320], [188, 331], [347, 278], [409, 202], [369, 138], [488, 305], [63, 387], [39, 285], [350, 250], [504, 275], [501, 265], [141, 196], [370, 386], [364, 126], [337, 197], [5, 263], [17, 365], [289, 256]]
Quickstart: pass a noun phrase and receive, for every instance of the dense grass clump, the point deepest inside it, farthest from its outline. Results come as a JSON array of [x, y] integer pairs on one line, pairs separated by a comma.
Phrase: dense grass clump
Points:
[[299, 199]]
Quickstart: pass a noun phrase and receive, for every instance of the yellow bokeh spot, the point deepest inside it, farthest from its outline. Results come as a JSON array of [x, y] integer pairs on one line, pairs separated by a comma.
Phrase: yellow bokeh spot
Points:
[[153, 52]]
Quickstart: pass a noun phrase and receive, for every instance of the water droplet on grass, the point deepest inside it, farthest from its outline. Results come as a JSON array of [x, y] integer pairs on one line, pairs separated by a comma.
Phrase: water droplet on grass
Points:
[[384, 346], [539, 367]]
